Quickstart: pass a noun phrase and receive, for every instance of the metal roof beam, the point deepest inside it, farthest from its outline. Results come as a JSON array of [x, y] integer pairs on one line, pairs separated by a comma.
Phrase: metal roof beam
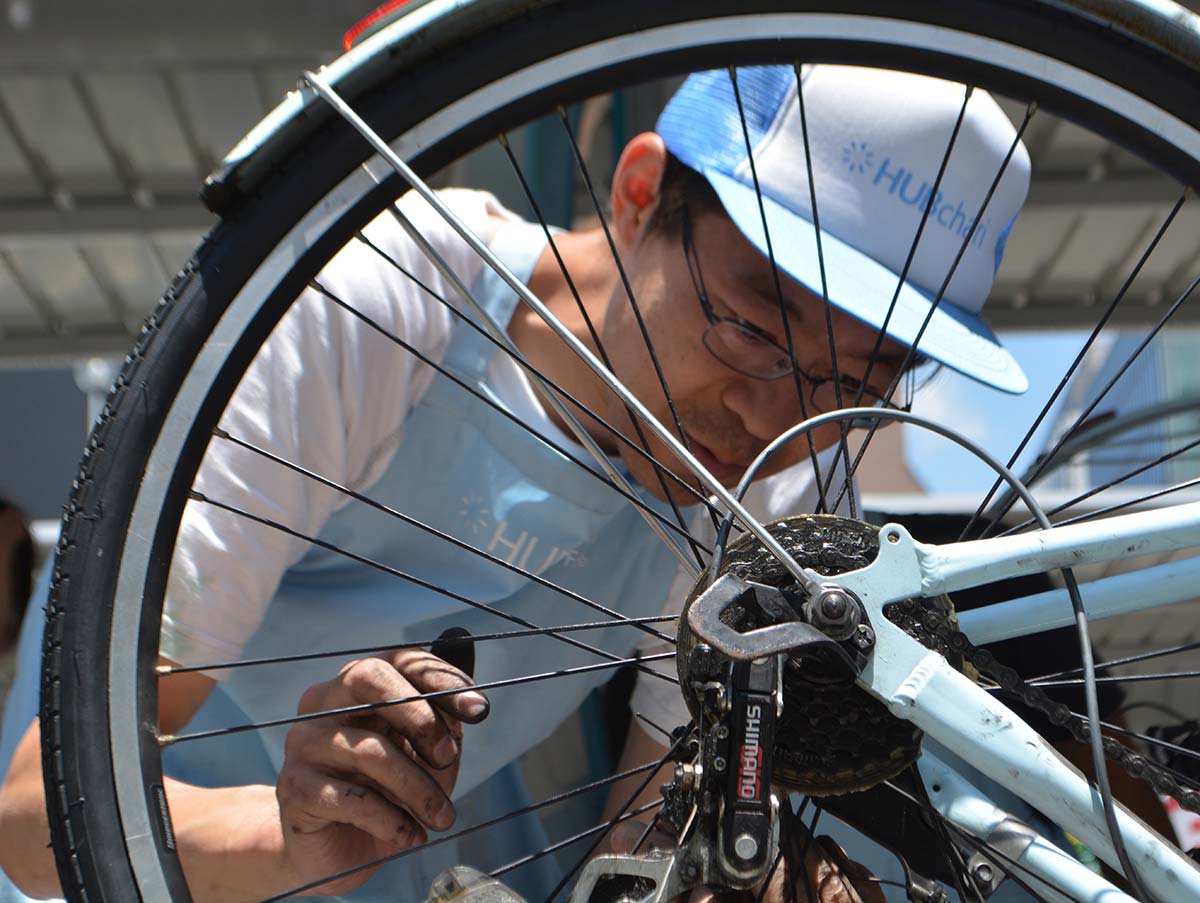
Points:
[[1115, 190], [1005, 310], [21, 224], [47, 350]]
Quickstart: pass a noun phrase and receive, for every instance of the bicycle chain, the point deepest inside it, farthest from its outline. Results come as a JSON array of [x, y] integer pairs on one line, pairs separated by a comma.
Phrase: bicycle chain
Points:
[[1134, 764]]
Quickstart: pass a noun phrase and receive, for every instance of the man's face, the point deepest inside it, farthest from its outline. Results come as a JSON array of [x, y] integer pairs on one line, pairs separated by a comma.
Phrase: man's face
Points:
[[728, 417]]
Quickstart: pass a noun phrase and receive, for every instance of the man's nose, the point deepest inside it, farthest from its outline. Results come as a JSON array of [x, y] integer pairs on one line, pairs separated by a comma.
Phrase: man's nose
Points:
[[767, 407]]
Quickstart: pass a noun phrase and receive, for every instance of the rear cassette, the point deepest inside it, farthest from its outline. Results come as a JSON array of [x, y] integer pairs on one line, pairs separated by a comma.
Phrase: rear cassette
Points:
[[833, 738]]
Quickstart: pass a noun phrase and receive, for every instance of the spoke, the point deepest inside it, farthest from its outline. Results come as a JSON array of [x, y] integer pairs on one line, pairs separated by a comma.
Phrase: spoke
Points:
[[592, 332], [582, 835], [805, 844], [1030, 110], [624, 277], [553, 245], [1163, 744], [1075, 364], [911, 353], [783, 315], [445, 537], [1143, 657], [395, 572], [1120, 506], [1129, 679], [363, 708], [167, 670], [658, 727], [621, 813], [1142, 441], [958, 865], [1086, 413], [843, 426], [524, 364], [1126, 462], [481, 826], [642, 837], [1109, 485], [762, 891]]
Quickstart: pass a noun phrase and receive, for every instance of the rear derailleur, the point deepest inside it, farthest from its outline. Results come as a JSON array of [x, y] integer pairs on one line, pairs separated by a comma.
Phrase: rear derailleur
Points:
[[719, 804]]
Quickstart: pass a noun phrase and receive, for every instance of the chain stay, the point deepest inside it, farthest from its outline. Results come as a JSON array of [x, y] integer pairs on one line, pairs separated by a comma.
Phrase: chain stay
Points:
[[1134, 764]]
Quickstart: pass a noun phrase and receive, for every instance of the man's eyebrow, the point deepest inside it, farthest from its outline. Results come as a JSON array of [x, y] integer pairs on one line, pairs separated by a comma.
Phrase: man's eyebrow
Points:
[[762, 291]]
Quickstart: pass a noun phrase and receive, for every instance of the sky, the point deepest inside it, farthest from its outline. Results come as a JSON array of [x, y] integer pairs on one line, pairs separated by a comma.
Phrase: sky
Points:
[[994, 419]]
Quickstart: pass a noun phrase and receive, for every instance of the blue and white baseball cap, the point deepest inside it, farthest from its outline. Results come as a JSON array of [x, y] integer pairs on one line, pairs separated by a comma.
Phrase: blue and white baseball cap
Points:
[[877, 139]]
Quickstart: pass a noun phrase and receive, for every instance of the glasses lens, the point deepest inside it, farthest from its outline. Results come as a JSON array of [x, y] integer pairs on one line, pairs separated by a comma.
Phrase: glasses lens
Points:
[[825, 396], [746, 351]]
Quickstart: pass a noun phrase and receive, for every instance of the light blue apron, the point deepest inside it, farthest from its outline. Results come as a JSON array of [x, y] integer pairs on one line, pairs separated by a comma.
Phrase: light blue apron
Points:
[[475, 475]]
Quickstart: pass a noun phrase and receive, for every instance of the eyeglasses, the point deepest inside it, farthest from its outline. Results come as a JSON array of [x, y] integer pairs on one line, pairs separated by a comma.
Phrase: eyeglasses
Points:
[[745, 348]]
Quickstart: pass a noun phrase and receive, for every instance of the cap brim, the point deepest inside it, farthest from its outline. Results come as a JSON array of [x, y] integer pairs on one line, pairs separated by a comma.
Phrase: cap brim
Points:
[[863, 287]]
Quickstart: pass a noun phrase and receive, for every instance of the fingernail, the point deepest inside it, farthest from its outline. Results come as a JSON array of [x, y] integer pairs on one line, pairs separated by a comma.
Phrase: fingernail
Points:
[[446, 751], [473, 707]]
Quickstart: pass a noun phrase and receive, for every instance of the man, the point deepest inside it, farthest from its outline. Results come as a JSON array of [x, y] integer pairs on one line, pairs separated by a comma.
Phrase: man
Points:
[[330, 393]]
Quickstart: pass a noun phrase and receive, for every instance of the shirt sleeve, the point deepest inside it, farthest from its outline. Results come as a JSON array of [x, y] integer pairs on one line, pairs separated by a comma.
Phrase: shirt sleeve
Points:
[[791, 491], [328, 393]]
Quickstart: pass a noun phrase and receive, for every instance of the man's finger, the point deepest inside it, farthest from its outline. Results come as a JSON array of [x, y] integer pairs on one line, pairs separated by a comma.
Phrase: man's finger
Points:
[[838, 878], [348, 750], [374, 680], [310, 800], [431, 674]]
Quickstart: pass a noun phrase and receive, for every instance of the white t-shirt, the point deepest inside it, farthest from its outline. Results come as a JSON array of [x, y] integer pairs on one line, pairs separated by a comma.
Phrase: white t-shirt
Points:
[[329, 393]]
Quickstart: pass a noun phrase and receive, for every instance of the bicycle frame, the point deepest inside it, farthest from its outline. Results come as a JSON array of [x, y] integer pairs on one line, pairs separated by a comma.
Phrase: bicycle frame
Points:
[[920, 686]]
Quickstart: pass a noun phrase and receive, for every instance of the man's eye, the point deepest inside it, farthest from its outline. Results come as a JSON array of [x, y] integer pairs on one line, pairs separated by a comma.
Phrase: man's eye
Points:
[[746, 335]]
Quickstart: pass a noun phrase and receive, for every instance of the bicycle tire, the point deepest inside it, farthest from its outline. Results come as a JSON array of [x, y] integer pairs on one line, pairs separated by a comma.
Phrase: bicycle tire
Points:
[[90, 839]]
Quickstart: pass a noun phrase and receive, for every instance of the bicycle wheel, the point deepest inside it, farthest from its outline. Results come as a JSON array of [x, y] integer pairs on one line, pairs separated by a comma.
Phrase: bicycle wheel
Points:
[[434, 92]]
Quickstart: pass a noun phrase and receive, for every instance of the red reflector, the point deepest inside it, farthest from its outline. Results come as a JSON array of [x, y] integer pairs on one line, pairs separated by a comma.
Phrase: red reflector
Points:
[[382, 12]]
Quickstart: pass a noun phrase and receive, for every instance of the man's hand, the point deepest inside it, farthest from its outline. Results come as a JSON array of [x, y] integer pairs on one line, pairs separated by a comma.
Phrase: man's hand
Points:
[[358, 787], [831, 878]]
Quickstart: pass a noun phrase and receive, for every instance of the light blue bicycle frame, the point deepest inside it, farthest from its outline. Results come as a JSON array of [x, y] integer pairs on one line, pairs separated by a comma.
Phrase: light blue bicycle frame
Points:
[[920, 686]]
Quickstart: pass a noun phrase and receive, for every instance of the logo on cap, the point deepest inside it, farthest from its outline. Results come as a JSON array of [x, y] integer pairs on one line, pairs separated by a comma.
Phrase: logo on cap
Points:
[[858, 157], [900, 183]]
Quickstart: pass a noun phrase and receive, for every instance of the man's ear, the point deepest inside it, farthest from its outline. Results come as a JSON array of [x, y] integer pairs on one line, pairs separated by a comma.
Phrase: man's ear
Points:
[[635, 186]]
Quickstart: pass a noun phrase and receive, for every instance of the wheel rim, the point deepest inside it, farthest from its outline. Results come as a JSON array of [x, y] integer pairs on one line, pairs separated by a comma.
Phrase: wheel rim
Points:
[[139, 550]]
